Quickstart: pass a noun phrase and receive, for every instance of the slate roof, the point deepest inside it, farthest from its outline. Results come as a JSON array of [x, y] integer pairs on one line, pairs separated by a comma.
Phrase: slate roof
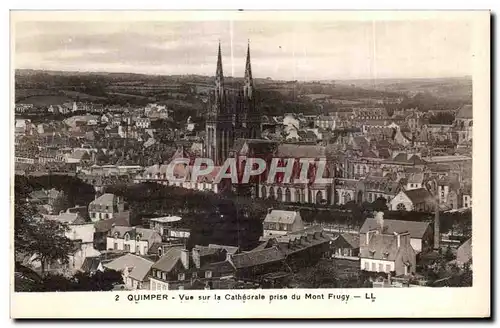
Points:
[[228, 249], [168, 261], [381, 247], [300, 151], [148, 235], [139, 267], [90, 264], [254, 258], [415, 228], [416, 178], [219, 267], [101, 202], [106, 225], [205, 250], [418, 196], [280, 216], [351, 239], [68, 218]]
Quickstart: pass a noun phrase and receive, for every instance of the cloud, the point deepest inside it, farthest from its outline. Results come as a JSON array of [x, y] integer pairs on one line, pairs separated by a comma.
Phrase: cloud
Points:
[[280, 49]]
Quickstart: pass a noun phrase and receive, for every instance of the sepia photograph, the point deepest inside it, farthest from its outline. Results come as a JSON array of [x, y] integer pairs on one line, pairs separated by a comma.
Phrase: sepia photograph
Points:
[[161, 154]]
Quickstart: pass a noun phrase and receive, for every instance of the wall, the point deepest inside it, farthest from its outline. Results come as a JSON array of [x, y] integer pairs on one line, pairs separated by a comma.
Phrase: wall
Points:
[[85, 232], [371, 262], [416, 244], [401, 198], [155, 284]]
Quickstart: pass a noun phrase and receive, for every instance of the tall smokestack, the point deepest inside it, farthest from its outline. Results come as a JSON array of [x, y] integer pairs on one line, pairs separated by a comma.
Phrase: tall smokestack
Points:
[[437, 235]]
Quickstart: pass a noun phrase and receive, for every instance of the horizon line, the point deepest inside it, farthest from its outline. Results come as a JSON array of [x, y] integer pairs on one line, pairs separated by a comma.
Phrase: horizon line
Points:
[[237, 77]]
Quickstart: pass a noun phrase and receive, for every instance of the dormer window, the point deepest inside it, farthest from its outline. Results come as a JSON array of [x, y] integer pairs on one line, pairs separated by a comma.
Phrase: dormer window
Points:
[[116, 235], [386, 255], [138, 238], [208, 274], [160, 251], [181, 276], [127, 237], [372, 253]]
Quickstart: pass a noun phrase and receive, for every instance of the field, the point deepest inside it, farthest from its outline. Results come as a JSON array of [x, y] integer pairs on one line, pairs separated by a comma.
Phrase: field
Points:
[[46, 101]]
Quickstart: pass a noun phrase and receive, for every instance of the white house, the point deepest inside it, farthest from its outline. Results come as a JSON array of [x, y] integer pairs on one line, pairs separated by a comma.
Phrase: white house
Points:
[[421, 233], [135, 270], [415, 181], [105, 207], [384, 250], [412, 200], [278, 222], [82, 233], [132, 239]]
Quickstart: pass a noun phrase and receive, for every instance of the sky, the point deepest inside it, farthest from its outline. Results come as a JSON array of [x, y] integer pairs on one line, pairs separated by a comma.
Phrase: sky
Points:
[[282, 50]]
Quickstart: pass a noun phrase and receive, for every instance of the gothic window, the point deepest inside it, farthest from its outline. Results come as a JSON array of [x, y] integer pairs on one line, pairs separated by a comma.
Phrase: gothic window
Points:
[[288, 195], [401, 207], [319, 197], [264, 192], [298, 195], [271, 192], [279, 194]]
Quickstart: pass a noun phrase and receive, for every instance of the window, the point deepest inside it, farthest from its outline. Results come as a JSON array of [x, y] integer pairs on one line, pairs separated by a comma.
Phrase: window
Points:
[[137, 249], [380, 267], [374, 266], [106, 216], [145, 250], [93, 215], [208, 274], [115, 246], [127, 248], [387, 268], [401, 207], [181, 276], [195, 275], [158, 274], [164, 276], [181, 287], [153, 285]]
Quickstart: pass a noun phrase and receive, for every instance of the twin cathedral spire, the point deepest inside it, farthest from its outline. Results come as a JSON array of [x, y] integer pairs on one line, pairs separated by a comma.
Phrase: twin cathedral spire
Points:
[[248, 80], [232, 113]]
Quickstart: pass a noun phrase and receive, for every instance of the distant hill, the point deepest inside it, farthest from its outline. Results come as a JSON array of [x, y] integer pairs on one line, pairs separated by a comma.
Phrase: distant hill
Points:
[[454, 88]]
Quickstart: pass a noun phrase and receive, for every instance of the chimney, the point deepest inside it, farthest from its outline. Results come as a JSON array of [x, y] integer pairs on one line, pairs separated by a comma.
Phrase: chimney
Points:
[[398, 237], [196, 257], [379, 218], [185, 258]]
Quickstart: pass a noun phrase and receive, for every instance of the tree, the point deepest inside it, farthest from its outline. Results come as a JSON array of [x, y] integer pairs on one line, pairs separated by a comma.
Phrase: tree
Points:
[[61, 203], [380, 204], [47, 242], [34, 236], [321, 275]]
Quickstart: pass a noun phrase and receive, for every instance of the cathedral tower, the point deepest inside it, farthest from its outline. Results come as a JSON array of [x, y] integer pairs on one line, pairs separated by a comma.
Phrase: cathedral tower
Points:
[[231, 113]]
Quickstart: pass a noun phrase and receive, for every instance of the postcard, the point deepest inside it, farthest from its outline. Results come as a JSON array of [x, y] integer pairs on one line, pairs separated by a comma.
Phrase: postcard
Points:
[[250, 164]]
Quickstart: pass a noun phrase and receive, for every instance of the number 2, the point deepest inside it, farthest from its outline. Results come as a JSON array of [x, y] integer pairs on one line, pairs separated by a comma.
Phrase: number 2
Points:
[[117, 297]]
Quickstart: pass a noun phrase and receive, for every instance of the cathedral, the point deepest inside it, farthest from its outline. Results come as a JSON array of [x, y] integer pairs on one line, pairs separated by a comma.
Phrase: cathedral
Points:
[[231, 114]]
